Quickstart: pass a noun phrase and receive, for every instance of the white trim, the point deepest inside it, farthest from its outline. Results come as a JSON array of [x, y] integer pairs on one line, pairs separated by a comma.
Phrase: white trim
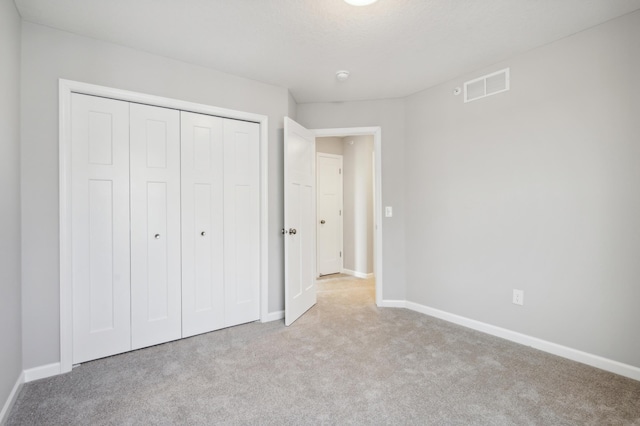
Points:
[[377, 143], [11, 399], [264, 224], [523, 339], [66, 87], [357, 274], [393, 304], [42, 372], [274, 316]]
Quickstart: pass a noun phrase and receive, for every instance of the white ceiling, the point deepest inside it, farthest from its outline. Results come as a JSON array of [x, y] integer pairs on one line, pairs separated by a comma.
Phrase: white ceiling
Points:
[[393, 48]]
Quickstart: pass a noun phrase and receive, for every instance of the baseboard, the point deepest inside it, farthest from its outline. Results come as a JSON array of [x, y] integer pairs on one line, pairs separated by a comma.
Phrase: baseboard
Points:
[[393, 304], [357, 274], [42, 372], [8, 405], [274, 316], [523, 339]]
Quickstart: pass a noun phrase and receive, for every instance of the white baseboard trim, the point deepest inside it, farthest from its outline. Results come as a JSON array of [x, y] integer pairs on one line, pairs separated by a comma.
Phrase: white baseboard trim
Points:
[[42, 372], [274, 316], [393, 304], [523, 339], [11, 399], [357, 274]]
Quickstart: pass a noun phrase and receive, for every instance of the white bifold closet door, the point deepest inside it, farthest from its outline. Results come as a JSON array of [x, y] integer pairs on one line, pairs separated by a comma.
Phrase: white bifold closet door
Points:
[[155, 225], [165, 225], [220, 223], [202, 223], [100, 227], [241, 222]]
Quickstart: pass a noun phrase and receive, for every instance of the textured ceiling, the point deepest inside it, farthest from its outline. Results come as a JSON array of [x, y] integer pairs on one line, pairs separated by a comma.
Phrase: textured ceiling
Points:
[[393, 48]]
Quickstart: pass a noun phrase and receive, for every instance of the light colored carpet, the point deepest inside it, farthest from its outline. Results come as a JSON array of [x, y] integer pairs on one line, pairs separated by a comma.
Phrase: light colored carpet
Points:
[[344, 362]]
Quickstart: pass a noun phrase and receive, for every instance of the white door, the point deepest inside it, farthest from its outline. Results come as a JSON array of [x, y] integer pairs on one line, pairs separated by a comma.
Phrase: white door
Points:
[[220, 223], [100, 231], [155, 225], [329, 223], [202, 223], [299, 220], [241, 221]]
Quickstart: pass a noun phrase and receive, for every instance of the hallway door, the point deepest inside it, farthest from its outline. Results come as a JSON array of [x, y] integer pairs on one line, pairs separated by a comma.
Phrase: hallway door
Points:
[[329, 220]]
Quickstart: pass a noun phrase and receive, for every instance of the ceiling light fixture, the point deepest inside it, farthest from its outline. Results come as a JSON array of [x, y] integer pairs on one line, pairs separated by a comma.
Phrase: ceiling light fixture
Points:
[[342, 75], [360, 2]]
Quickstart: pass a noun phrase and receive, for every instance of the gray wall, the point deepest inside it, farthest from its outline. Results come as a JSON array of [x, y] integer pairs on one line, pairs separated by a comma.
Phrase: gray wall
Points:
[[291, 107], [329, 145], [10, 317], [47, 55], [389, 115], [535, 189], [358, 203]]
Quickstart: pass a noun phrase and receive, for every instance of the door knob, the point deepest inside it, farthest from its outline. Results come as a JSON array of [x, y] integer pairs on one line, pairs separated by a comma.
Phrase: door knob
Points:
[[203, 233], [157, 236], [323, 221], [292, 231]]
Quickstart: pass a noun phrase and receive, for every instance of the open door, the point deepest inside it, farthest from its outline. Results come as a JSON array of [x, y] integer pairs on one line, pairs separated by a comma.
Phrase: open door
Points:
[[299, 220]]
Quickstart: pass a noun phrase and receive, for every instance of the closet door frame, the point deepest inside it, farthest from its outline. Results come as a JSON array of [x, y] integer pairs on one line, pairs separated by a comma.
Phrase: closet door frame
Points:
[[65, 89]]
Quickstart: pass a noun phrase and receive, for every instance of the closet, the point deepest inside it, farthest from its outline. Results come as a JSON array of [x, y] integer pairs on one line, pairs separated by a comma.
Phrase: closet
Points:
[[165, 216]]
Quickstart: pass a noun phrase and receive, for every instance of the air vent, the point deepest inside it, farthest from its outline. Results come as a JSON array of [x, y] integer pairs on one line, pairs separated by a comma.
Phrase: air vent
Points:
[[486, 85]]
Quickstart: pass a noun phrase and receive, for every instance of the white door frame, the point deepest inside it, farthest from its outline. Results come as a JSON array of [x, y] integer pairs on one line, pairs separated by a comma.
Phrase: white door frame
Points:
[[66, 87], [376, 132], [341, 220]]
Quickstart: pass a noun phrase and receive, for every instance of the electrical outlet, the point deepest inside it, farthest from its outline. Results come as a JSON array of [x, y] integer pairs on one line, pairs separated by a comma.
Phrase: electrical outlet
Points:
[[388, 211], [518, 297]]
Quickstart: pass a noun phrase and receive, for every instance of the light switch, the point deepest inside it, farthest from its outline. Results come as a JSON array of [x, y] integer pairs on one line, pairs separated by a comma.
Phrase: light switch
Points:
[[388, 211]]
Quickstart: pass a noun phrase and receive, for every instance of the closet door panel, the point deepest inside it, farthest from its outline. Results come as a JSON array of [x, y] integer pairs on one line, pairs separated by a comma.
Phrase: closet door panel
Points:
[[242, 219], [155, 225], [202, 224], [100, 231]]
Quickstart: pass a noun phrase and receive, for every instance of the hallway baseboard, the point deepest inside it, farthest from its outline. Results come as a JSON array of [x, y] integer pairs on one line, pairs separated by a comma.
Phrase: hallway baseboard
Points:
[[357, 274]]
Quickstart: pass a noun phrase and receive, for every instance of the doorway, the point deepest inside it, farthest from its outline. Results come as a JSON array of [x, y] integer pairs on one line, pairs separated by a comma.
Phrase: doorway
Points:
[[345, 224], [358, 243], [300, 214]]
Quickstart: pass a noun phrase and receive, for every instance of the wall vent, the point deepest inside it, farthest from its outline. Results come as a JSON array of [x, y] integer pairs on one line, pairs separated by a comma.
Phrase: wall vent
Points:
[[486, 85]]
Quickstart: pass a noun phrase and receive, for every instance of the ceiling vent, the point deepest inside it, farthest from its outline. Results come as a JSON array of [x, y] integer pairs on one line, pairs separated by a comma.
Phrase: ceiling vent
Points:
[[486, 85]]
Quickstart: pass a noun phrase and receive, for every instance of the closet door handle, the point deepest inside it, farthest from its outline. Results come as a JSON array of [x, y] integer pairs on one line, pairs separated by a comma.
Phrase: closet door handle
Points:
[[292, 231], [203, 233], [157, 236], [323, 221]]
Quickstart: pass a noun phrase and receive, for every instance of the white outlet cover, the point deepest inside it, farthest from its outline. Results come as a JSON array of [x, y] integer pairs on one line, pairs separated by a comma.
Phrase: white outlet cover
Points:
[[388, 211], [518, 297]]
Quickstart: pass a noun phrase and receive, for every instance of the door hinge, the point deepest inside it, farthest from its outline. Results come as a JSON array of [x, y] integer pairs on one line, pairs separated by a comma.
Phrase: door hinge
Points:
[[339, 171], [340, 254], [339, 212]]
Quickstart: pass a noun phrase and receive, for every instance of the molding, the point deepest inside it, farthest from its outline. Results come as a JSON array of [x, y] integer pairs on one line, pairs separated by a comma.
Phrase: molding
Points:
[[65, 89], [357, 274], [42, 372], [376, 132], [11, 399], [264, 222], [393, 304], [273, 316], [523, 339]]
